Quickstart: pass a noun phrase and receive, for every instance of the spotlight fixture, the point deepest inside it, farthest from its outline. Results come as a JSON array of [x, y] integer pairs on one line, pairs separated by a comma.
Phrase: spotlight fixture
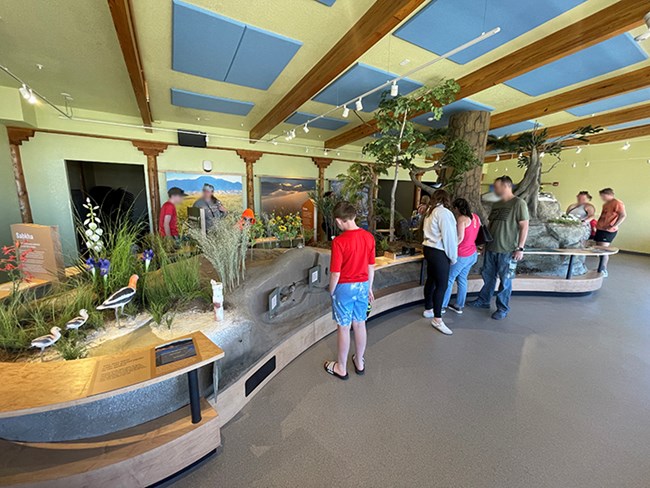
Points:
[[578, 149], [293, 133], [587, 164], [542, 154], [346, 112], [646, 35], [274, 142], [359, 105], [24, 91], [498, 157], [626, 146], [520, 155], [574, 165], [306, 128], [394, 89], [325, 152]]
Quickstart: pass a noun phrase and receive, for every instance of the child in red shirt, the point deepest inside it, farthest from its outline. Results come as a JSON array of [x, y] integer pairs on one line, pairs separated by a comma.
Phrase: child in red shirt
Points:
[[168, 223], [352, 271]]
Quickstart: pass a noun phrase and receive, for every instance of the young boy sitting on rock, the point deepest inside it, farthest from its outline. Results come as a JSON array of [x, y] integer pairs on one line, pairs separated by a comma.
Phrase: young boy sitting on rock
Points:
[[352, 270]]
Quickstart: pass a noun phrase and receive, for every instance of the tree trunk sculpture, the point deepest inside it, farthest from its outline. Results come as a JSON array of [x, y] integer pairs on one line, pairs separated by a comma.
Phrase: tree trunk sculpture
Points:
[[528, 188], [472, 127]]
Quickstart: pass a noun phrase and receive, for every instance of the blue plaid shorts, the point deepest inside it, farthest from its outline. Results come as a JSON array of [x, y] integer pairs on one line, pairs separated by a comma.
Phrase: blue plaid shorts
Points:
[[350, 303]]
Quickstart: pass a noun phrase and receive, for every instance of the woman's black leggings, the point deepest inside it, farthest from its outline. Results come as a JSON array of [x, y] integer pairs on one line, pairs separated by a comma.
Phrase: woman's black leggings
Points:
[[437, 279]]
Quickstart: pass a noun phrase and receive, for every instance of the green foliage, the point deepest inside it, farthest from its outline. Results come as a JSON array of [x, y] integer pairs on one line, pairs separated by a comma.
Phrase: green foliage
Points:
[[225, 246], [71, 348], [524, 143], [460, 157], [401, 141]]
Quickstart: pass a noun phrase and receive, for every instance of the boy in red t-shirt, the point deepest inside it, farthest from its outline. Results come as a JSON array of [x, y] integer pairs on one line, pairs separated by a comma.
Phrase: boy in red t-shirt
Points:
[[168, 222], [352, 271]]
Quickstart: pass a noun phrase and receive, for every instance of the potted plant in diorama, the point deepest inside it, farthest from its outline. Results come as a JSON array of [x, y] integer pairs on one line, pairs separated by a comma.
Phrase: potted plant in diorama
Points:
[[530, 147], [400, 141], [360, 186]]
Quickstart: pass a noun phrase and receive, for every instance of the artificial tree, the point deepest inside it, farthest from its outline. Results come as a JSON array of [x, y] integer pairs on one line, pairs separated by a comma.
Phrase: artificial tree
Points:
[[400, 141], [530, 148], [363, 179]]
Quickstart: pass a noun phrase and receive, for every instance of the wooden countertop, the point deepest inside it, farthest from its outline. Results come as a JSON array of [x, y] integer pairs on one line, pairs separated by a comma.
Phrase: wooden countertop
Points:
[[39, 387]]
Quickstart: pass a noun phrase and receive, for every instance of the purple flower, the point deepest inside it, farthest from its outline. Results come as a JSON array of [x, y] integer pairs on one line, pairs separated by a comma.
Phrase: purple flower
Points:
[[104, 266], [90, 265], [147, 256]]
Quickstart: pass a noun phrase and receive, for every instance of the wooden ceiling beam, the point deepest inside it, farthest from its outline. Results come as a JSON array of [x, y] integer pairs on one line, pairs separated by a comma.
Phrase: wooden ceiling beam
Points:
[[123, 22], [620, 17], [617, 85], [379, 20]]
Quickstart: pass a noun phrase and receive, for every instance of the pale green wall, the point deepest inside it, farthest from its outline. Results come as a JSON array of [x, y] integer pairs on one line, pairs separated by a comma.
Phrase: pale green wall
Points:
[[44, 165], [10, 213], [627, 172]]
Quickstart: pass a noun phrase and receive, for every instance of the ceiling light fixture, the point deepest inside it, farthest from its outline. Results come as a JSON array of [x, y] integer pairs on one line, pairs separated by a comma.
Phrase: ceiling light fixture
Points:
[[306, 128], [394, 89], [626, 146], [24, 91], [574, 165], [579, 150], [542, 154], [587, 164], [646, 35], [358, 99], [346, 112], [498, 157]]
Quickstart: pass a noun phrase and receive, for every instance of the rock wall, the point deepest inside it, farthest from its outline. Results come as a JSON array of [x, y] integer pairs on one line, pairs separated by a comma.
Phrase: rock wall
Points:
[[545, 235]]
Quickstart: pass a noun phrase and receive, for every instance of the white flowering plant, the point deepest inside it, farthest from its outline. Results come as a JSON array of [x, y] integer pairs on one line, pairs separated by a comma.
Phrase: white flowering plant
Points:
[[92, 232]]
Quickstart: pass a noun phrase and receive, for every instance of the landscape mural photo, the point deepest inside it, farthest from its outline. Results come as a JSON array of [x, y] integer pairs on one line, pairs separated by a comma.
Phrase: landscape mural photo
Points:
[[227, 187], [283, 196]]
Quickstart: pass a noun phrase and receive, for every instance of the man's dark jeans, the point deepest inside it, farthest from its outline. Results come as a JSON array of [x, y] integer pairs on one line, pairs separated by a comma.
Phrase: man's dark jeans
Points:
[[496, 264]]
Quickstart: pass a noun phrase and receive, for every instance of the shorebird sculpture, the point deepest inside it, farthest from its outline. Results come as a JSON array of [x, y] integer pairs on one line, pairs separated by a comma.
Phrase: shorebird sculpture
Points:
[[120, 299], [48, 340], [78, 321]]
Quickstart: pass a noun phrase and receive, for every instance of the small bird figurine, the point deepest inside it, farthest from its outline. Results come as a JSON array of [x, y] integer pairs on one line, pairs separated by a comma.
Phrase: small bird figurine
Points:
[[118, 300], [78, 321], [47, 340]]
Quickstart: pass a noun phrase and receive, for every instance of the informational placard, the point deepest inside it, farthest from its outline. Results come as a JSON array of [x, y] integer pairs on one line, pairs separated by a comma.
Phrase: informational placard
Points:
[[45, 260], [175, 351], [112, 373], [309, 217]]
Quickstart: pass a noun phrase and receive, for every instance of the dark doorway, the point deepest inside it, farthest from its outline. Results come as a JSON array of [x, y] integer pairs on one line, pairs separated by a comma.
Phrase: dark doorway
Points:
[[118, 189]]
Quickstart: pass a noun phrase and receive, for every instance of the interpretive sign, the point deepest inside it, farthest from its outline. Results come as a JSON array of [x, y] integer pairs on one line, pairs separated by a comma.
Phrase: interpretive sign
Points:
[[175, 351], [112, 373], [309, 218], [45, 260]]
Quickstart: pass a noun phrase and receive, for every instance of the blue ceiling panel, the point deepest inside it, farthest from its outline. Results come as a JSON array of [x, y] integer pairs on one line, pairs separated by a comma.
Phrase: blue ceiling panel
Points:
[[464, 105], [605, 57], [515, 128], [358, 80], [200, 101], [211, 46], [446, 24], [627, 125], [203, 43], [611, 103], [327, 123], [261, 57], [329, 3]]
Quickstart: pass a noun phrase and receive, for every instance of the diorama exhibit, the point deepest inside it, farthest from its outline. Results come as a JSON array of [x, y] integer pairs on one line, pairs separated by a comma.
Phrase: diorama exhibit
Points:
[[218, 215]]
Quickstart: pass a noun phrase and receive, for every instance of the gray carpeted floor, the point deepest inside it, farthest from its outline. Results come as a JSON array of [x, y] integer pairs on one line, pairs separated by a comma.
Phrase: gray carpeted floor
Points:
[[557, 395]]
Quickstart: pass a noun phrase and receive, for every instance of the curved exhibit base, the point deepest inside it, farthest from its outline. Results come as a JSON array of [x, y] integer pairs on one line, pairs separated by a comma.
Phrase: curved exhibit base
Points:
[[135, 457]]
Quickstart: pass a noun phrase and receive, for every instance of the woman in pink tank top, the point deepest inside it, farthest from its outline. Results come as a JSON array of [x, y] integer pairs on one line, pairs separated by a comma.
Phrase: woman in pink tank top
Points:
[[468, 226]]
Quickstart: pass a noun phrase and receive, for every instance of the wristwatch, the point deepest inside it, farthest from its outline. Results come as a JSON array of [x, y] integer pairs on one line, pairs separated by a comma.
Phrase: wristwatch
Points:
[[520, 249]]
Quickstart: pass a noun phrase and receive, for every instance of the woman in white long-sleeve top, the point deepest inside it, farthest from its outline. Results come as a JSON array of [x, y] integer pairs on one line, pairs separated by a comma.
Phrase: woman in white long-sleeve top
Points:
[[440, 247]]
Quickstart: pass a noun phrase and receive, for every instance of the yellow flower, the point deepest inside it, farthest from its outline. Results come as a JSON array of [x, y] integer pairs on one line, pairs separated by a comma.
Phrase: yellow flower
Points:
[[282, 228]]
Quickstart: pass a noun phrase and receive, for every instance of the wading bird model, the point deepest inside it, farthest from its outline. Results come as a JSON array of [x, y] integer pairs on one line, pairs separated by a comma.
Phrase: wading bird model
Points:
[[120, 299]]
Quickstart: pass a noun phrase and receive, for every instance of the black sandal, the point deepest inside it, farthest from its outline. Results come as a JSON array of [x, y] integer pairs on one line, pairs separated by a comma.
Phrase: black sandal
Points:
[[329, 368], [360, 372]]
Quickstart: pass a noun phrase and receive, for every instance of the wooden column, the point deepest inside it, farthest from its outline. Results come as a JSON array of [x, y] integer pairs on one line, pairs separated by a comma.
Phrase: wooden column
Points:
[[321, 164], [473, 128], [152, 150], [18, 135], [250, 158]]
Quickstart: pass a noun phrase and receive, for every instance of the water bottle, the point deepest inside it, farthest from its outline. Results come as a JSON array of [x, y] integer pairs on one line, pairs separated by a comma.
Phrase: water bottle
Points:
[[512, 268]]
